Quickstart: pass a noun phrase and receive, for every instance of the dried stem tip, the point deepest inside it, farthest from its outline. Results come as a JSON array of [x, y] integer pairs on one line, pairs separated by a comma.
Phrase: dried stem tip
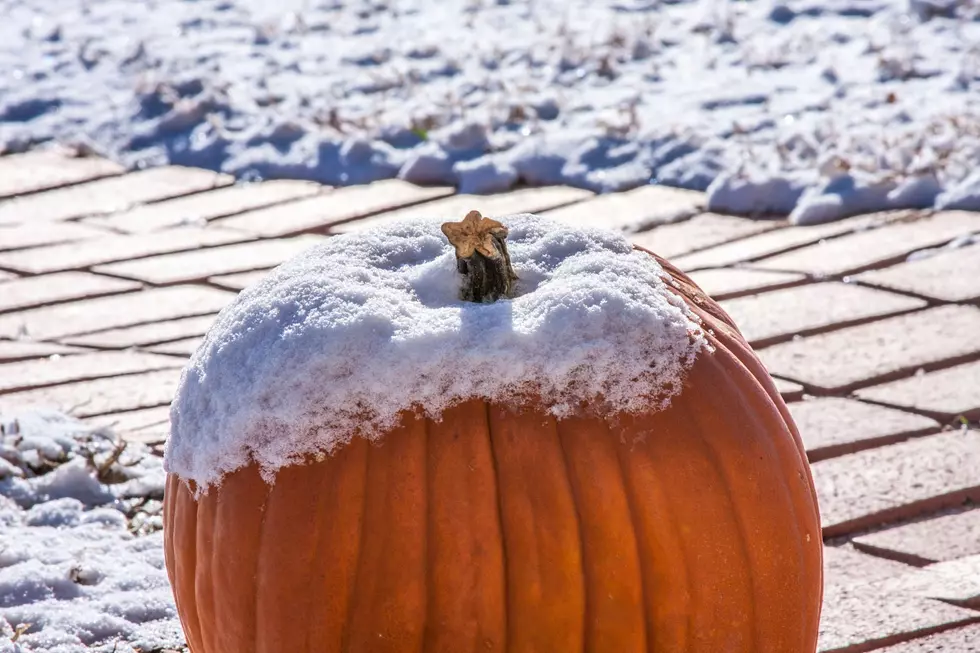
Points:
[[482, 257]]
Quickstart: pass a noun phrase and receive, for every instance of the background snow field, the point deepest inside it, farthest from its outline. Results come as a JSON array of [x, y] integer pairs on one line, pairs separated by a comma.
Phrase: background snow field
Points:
[[819, 107]]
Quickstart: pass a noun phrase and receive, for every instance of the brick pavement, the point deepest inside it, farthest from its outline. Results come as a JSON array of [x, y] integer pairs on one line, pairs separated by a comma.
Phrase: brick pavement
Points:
[[870, 326]]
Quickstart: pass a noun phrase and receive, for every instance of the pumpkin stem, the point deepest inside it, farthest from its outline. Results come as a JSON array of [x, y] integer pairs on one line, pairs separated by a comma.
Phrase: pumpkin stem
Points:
[[481, 257]]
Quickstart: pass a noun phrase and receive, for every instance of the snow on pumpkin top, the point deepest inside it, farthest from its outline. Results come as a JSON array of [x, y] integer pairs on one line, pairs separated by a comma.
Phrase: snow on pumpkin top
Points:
[[341, 340]]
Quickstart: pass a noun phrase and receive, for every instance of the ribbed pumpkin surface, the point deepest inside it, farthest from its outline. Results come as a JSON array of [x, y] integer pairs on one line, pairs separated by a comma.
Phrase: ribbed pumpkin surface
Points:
[[693, 529]]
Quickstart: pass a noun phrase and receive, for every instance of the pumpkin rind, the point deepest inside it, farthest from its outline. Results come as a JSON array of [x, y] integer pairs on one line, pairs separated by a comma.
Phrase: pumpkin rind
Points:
[[691, 529]]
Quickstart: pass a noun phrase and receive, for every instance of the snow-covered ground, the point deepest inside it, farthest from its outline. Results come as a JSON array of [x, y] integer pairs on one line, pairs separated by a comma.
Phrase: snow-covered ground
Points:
[[81, 545], [820, 107]]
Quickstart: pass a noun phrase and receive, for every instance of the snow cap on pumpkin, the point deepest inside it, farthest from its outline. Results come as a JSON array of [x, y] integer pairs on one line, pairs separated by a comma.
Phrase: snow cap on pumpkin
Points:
[[343, 339]]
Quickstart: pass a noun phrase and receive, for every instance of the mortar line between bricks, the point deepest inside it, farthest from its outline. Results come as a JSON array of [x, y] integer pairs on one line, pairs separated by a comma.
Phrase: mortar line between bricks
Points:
[[903, 512], [93, 294], [59, 339], [876, 644], [129, 207], [897, 556], [838, 450], [97, 377], [69, 184], [903, 373], [785, 285], [324, 191], [943, 418], [324, 229], [830, 328]]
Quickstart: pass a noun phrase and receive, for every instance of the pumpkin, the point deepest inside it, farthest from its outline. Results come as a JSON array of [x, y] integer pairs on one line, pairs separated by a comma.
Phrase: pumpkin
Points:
[[495, 525]]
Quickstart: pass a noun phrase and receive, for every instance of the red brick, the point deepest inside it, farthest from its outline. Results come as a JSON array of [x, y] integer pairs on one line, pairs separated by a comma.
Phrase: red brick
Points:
[[344, 204], [954, 581], [20, 350], [65, 369], [29, 292], [860, 618], [725, 283], [201, 264], [633, 210], [946, 537], [87, 316], [44, 233], [238, 282], [109, 195], [95, 251], [945, 394], [524, 200], [874, 248], [201, 207], [779, 315], [950, 276], [775, 242], [41, 170], [877, 352], [143, 335], [833, 426], [900, 481], [963, 639], [103, 396], [701, 231]]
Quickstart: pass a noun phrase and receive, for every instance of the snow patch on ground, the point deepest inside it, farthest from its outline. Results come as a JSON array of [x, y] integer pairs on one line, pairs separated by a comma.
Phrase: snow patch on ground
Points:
[[343, 339], [816, 108], [81, 545]]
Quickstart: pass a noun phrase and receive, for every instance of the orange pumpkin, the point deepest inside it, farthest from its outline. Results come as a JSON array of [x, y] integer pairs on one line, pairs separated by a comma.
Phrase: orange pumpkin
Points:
[[501, 528]]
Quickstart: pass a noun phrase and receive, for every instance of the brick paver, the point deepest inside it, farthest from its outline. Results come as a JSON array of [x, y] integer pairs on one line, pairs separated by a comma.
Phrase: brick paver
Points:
[[107, 249], [788, 390], [834, 426], [44, 233], [951, 276], [863, 619], [945, 537], [103, 396], [774, 316], [876, 247], [143, 335], [898, 481], [878, 351], [201, 264], [337, 206], [30, 374], [136, 424], [725, 283], [954, 581], [774, 242], [958, 640], [184, 347], [109, 195], [633, 210], [699, 232], [859, 614], [239, 281], [29, 292], [7, 276], [524, 200], [19, 350], [34, 171], [143, 307], [199, 208], [946, 394]]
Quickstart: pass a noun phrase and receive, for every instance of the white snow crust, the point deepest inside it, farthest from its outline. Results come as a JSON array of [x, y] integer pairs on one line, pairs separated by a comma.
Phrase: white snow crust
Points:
[[81, 555], [814, 108], [339, 341]]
